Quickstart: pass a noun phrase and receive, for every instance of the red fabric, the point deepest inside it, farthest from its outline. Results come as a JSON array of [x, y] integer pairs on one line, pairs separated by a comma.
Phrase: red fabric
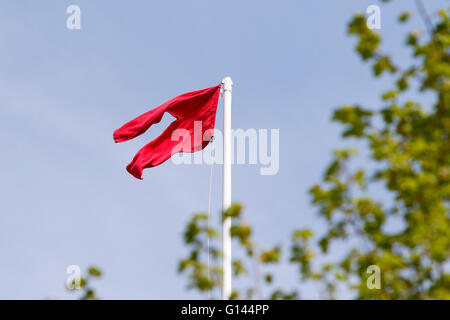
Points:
[[200, 105]]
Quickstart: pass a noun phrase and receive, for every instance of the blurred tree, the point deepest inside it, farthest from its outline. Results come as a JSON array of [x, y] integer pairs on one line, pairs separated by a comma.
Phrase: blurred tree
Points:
[[409, 152]]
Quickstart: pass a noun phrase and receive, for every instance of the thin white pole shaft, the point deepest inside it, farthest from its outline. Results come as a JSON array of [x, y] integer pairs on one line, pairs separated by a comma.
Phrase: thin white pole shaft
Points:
[[226, 188]]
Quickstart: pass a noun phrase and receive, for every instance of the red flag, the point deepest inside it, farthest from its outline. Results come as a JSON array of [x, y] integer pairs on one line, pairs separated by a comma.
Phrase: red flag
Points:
[[200, 105]]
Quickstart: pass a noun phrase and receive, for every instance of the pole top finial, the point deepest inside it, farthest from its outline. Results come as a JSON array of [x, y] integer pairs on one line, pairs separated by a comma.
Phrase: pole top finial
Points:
[[227, 84]]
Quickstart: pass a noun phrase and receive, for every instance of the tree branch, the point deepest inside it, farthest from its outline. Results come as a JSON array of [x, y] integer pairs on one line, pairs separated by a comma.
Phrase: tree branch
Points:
[[425, 17]]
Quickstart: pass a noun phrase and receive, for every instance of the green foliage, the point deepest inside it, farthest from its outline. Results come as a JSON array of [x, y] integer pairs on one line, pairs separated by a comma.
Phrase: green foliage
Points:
[[201, 276], [270, 256], [409, 150], [87, 291], [368, 40], [206, 277], [94, 272], [404, 16]]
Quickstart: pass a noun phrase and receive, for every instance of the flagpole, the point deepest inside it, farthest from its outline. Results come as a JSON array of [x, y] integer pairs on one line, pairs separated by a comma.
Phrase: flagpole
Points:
[[226, 188]]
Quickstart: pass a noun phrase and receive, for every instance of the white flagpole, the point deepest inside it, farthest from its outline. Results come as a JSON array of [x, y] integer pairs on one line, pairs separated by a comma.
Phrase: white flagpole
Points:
[[226, 188]]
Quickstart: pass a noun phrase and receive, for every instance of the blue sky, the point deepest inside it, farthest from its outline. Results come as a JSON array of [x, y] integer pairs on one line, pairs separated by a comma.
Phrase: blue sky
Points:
[[65, 195]]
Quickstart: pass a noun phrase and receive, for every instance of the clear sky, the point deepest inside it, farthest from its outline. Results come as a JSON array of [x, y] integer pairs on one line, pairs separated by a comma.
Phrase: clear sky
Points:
[[65, 197]]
